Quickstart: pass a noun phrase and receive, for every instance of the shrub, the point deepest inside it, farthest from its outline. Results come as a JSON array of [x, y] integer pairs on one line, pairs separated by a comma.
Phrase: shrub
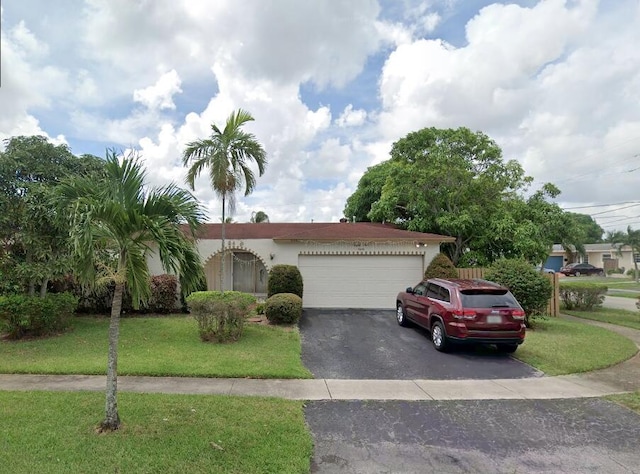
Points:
[[283, 308], [632, 272], [220, 315], [164, 293], [441, 267], [531, 288], [284, 279], [34, 316], [582, 296]]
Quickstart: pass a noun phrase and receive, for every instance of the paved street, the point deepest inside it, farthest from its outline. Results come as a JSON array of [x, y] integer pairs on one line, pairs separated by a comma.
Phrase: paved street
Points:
[[619, 302], [489, 436]]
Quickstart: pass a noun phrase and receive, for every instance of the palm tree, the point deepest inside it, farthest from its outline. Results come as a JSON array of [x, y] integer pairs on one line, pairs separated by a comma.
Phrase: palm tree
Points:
[[121, 218], [259, 217], [227, 154], [630, 238]]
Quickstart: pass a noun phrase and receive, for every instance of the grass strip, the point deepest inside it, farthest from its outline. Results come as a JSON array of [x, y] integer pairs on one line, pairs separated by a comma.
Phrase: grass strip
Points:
[[619, 317], [53, 432], [559, 347], [629, 400], [158, 346]]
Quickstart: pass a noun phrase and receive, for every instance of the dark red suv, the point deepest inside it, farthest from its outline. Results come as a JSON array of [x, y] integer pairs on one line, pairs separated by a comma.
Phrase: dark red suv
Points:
[[477, 311]]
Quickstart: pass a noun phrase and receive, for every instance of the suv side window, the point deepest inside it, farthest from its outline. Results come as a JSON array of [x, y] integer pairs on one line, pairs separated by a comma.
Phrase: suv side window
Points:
[[420, 289], [444, 295], [433, 291]]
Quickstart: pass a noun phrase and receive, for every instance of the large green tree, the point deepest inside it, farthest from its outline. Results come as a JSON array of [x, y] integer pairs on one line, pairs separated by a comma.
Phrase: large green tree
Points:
[[589, 229], [33, 236], [368, 192], [227, 154], [450, 182], [528, 228], [120, 216]]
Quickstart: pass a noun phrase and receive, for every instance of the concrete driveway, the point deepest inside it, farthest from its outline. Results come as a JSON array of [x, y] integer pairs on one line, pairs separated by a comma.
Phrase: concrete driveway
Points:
[[369, 344], [487, 436]]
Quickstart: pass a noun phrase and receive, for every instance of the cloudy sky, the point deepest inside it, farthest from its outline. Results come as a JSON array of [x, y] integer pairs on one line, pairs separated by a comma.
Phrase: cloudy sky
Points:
[[332, 84]]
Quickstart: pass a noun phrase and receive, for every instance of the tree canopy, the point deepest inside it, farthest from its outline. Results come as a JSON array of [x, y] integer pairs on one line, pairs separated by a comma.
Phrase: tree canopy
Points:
[[455, 182], [34, 237]]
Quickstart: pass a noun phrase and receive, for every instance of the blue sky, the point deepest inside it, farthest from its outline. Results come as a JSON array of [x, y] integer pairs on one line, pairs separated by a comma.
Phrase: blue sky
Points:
[[332, 85]]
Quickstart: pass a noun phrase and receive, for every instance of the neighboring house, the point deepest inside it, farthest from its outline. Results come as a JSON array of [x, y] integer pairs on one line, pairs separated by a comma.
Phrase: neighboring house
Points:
[[343, 265], [600, 255]]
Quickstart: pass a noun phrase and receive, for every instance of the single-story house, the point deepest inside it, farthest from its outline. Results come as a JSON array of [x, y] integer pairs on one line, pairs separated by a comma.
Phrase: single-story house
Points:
[[600, 255], [343, 265]]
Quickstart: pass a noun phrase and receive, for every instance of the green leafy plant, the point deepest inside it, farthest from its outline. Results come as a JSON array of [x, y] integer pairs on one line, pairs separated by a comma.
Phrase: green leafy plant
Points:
[[531, 289], [24, 316], [585, 296], [283, 308], [220, 315], [441, 267], [284, 279]]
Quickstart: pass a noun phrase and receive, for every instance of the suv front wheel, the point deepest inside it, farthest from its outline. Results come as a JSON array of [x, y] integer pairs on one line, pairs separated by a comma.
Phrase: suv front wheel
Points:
[[439, 337], [401, 317]]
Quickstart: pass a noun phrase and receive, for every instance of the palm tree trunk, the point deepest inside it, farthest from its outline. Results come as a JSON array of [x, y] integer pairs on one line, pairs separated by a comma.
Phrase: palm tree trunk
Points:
[[222, 252], [112, 420]]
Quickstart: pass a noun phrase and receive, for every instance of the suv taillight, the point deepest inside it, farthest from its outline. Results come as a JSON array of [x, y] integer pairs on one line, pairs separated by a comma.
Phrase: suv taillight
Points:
[[517, 314], [464, 314]]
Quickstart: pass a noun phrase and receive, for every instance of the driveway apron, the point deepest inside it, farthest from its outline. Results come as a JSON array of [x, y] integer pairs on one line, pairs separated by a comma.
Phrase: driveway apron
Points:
[[369, 344]]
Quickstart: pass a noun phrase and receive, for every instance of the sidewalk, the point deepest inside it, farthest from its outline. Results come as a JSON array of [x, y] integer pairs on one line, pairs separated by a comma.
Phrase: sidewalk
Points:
[[623, 377]]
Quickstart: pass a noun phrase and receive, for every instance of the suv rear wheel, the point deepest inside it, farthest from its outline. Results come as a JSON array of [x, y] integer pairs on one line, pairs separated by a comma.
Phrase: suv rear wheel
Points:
[[439, 337], [401, 317]]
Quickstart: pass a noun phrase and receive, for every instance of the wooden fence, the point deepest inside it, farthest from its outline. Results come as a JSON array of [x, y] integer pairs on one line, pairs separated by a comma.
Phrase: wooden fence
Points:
[[553, 306]]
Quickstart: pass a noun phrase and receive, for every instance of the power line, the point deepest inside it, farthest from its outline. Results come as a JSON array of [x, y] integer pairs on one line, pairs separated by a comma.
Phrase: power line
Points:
[[599, 205]]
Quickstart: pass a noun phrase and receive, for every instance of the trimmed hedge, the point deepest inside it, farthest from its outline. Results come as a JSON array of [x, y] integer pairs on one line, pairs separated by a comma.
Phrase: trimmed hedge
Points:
[[283, 308], [531, 288], [98, 300], [441, 267], [284, 279], [23, 316], [584, 296], [164, 294], [220, 315]]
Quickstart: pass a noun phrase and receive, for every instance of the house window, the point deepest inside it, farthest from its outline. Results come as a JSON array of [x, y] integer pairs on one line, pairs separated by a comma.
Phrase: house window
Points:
[[606, 256], [586, 259], [636, 257]]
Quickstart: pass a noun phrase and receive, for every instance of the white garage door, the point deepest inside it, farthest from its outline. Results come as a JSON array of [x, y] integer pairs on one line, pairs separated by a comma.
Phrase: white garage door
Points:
[[354, 281]]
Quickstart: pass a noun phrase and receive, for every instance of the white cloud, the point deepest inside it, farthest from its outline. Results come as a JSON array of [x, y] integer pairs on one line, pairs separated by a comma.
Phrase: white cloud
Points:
[[557, 85], [160, 95], [351, 118]]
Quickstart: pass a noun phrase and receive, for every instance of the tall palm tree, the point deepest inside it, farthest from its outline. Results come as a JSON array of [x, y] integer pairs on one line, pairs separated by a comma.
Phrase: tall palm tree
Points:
[[227, 154], [121, 218]]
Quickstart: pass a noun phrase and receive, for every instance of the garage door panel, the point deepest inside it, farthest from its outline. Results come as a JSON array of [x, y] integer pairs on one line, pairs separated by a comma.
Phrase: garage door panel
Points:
[[338, 281]]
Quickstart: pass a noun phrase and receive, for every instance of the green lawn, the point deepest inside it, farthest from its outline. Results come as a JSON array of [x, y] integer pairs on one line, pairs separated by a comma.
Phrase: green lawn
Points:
[[158, 346], [619, 317], [624, 294], [626, 283], [558, 347], [54, 432], [629, 400]]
